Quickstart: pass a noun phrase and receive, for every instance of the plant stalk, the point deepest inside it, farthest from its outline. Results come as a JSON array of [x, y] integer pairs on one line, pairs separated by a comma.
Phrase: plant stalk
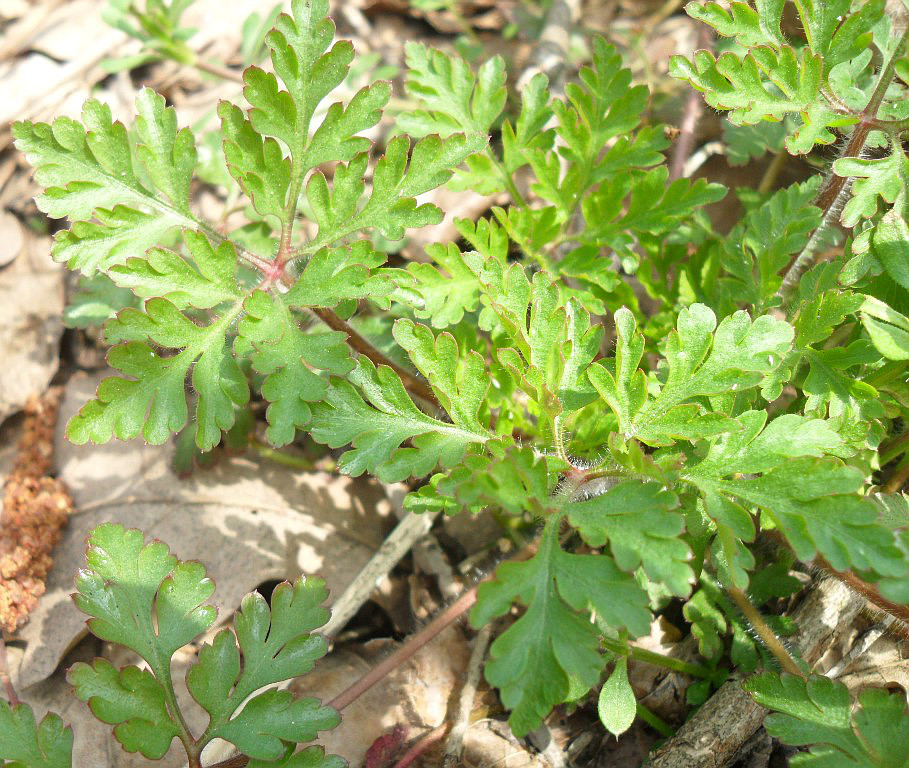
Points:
[[767, 635], [414, 384]]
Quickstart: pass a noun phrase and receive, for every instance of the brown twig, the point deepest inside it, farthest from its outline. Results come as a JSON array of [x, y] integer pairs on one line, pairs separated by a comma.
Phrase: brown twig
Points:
[[447, 617], [694, 107], [434, 736], [414, 384]]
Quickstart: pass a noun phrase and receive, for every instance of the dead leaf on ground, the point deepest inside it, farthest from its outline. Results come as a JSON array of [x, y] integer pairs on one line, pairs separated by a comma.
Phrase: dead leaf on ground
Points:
[[416, 695], [248, 521], [31, 309]]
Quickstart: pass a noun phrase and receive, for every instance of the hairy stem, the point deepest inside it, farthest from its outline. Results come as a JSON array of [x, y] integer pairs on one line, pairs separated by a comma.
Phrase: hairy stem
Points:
[[414, 384], [767, 635]]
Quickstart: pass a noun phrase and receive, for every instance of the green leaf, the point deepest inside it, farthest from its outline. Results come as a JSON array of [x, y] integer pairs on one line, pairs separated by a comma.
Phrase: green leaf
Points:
[[399, 176], [814, 502], [617, 706], [652, 207], [749, 26], [283, 352], [95, 300], [891, 238], [26, 744], [341, 273], [442, 298], [885, 178], [452, 98], [887, 329], [140, 596], [87, 170], [636, 520], [767, 84], [132, 700], [275, 645], [206, 281], [377, 426], [459, 380], [818, 712], [554, 341], [552, 650], [703, 359], [761, 246], [153, 401]]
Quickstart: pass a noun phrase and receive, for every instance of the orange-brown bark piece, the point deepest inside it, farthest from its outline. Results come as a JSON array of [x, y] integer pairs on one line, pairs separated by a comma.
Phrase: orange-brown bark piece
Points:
[[35, 508]]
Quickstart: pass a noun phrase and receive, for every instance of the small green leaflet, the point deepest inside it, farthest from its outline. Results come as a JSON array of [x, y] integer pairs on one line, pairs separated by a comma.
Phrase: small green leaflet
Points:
[[771, 80], [703, 359], [617, 705], [276, 645], [87, 170], [813, 501], [552, 652], [282, 351], [27, 744], [132, 700], [138, 595], [818, 712], [377, 426], [152, 402], [636, 520]]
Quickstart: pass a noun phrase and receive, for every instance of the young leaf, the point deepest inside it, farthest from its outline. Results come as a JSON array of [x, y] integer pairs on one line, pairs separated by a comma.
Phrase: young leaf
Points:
[[153, 401], [27, 744], [283, 352], [87, 171], [617, 705], [818, 712], [132, 700], [275, 645], [551, 650], [636, 520], [453, 99], [128, 584], [377, 426], [703, 359]]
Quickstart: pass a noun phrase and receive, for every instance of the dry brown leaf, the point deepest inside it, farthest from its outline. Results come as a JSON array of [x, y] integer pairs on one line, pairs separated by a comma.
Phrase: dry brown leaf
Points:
[[31, 308], [248, 521], [416, 695]]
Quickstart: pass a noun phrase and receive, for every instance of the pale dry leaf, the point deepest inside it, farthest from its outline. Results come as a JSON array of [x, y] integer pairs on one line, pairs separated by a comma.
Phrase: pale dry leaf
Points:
[[31, 309], [416, 695], [11, 238], [248, 521]]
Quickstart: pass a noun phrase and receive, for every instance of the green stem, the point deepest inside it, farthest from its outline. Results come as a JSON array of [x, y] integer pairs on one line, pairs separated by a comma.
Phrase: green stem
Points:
[[284, 458], [658, 659], [654, 721], [516, 196]]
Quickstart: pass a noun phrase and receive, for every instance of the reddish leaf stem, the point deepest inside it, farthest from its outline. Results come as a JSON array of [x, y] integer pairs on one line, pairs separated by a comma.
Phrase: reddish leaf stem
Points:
[[414, 384]]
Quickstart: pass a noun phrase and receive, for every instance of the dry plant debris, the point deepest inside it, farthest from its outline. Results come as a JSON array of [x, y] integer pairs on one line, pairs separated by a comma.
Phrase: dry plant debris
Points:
[[36, 506]]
